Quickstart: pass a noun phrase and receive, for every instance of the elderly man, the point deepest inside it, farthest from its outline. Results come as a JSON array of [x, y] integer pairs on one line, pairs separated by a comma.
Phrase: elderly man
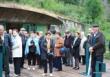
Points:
[[24, 39], [97, 48], [4, 46]]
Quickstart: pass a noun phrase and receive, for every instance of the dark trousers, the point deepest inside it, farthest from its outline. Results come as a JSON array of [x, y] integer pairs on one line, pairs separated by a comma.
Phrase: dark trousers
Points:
[[76, 62], [64, 60], [94, 60], [23, 56], [17, 64], [45, 64], [6, 62], [39, 61], [58, 63], [83, 60], [32, 59]]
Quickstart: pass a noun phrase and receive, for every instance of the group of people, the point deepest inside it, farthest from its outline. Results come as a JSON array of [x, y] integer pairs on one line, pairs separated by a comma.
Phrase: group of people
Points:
[[50, 49]]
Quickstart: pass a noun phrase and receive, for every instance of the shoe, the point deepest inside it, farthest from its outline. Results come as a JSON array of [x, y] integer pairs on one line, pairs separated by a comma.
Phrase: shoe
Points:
[[45, 74], [74, 68], [51, 74], [77, 68], [33, 68], [16, 75], [29, 68], [59, 70]]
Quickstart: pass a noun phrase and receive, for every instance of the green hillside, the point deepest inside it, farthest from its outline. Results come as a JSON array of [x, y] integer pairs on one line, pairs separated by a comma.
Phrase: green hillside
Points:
[[87, 12]]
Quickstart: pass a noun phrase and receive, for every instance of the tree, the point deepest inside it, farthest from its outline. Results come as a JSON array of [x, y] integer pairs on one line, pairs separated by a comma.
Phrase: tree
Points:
[[76, 2], [94, 10]]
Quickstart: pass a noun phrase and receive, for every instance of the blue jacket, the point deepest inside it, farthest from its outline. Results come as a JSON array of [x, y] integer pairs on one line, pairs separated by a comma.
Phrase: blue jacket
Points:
[[36, 41]]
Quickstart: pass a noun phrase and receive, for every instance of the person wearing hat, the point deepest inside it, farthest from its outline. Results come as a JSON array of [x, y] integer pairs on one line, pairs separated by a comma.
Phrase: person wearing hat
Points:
[[24, 39], [97, 48]]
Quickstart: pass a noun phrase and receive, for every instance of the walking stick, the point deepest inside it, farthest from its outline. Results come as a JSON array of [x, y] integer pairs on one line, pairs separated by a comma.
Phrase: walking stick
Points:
[[89, 68]]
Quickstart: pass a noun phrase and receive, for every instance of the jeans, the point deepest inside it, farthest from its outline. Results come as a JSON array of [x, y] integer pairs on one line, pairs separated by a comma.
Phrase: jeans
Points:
[[69, 57]]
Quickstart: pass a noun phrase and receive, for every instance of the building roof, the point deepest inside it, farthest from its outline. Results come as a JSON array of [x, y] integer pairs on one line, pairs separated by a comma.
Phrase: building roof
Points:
[[12, 12]]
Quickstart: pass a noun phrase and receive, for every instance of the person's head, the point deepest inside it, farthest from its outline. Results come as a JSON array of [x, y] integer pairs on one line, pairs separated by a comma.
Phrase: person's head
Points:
[[58, 34], [68, 33], [95, 28], [48, 35], [22, 30], [32, 34], [40, 33], [1, 30], [77, 34], [26, 33], [10, 31], [15, 32]]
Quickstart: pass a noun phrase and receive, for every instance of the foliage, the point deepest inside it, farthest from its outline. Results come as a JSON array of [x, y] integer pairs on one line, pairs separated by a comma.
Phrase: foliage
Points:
[[86, 11], [107, 56], [93, 10]]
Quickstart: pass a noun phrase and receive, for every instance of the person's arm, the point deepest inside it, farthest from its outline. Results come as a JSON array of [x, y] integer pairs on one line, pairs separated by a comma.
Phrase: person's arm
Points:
[[43, 46]]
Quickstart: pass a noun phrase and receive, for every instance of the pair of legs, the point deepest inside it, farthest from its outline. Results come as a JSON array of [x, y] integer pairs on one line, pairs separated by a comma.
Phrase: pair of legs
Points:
[[23, 56], [69, 57], [6, 62], [17, 65], [83, 59], [45, 64], [94, 60], [39, 61], [76, 63], [32, 59], [58, 63]]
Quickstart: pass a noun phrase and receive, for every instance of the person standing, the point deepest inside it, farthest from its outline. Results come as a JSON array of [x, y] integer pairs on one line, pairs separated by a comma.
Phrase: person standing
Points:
[[5, 44], [37, 51], [68, 45], [17, 52], [10, 48], [76, 49], [59, 43], [24, 39], [40, 41], [82, 48], [97, 48], [47, 53], [32, 55]]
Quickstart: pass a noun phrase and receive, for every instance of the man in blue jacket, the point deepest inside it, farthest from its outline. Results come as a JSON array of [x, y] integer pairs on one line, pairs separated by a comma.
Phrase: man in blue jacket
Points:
[[5, 44]]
